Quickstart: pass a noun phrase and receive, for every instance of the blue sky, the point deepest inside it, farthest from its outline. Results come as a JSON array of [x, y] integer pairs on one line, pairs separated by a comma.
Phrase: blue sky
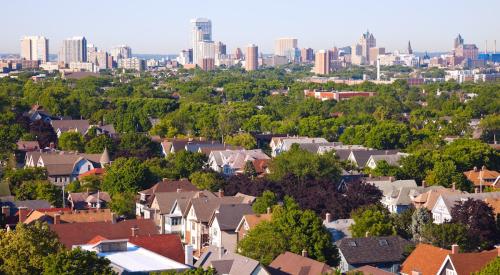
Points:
[[162, 26]]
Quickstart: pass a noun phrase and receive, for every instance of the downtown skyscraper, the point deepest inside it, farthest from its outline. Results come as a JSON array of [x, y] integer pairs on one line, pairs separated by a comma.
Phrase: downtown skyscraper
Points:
[[252, 57], [202, 43], [73, 50], [35, 48]]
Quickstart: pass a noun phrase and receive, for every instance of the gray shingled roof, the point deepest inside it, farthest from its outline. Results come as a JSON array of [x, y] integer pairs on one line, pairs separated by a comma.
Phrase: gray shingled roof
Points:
[[229, 215], [204, 207], [228, 261], [372, 249], [362, 156]]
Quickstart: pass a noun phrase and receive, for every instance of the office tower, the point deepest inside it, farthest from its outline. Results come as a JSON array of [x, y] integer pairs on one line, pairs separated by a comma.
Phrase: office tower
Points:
[[99, 58], [184, 57], [458, 41], [334, 54], [367, 41], [410, 50], [322, 62], [35, 48], [467, 51], [133, 63], [220, 48], [284, 46], [207, 64], [205, 49], [119, 52], [374, 53], [238, 54], [307, 55], [201, 31], [252, 57], [73, 50]]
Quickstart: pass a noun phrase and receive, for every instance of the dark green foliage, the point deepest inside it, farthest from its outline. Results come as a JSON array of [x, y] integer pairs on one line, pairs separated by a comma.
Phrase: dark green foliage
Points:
[[77, 261]]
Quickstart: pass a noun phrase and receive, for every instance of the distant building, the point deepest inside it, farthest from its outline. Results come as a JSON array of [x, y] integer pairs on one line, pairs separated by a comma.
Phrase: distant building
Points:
[[467, 51], [307, 55], [458, 41], [374, 53], [207, 64], [410, 50], [121, 52], [322, 62], [201, 32], [35, 48], [252, 57], [367, 41], [285, 46], [132, 64], [73, 50]]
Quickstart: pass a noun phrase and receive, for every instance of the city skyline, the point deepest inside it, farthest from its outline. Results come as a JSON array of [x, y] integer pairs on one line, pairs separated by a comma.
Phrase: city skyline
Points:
[[430, 26]]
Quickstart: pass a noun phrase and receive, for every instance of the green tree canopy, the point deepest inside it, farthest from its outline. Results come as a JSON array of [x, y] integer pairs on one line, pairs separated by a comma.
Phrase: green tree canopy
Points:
[[207, 180], [373, 220], [262, 203], [71, 141], [75, 262], [97, 144], [127, 175], [244, 140]]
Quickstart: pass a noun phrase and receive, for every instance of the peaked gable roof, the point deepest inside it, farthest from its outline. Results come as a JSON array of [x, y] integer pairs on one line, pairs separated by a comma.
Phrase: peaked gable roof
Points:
[[426, 259], [468, 263], [291, 263], [372, 249], [167, 245], [226, 262], [204, 206], [229, 215]]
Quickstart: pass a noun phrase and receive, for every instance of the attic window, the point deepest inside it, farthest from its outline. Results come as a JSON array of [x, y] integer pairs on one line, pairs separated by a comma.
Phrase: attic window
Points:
[[351, 243], [383, 242]]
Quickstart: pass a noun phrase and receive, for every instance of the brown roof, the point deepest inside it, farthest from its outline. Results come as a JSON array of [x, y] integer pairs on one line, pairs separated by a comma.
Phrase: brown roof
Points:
[[204, 207], [165, 200], [494, 203], [167, 245], [74, 234], [429, 198], [467, 263], [166, 186], [488, 176], [290, 263], [254, 219], [426, 259], [78, 216], [28, 145], [65, 125], [370, 270]]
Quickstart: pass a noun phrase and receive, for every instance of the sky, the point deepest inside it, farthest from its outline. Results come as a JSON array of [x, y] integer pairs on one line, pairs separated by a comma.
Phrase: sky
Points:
[[163, 27]]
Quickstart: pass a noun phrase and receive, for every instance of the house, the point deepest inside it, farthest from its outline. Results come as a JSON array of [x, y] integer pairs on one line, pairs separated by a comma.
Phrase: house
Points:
[[89, 200], [223, 224], [441, 212], [147, 196], [69, 216], [424, 260], [165, 211], [249, 222], [283, 144], [174, 145], [16, 211], [370, 270], [335, 95], [81, 126], [230, 162], [291, 263], [397, 195], [392, 160], [382, 252], [65, 167], [70, 234], [27, 146], [132, 257], [197, 217], [94, 172], [227, 262], [466, 263], [483, 178], [339, 229], [37, 112], [360, 157], [429, 198]]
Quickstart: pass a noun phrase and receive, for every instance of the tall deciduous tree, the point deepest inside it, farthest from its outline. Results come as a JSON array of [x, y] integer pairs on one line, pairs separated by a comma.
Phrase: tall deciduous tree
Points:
[[71, 141], [127, 175], [262, 203], [420, 218], [373, 220], [76, 261]]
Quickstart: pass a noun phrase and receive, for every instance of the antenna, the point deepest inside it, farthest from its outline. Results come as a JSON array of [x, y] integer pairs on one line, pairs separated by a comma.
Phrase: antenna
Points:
[[495, 43], [486, 48]]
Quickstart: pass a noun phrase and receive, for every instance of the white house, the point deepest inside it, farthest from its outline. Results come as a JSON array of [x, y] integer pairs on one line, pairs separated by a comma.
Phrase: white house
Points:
[[441, 212], [230, 162]]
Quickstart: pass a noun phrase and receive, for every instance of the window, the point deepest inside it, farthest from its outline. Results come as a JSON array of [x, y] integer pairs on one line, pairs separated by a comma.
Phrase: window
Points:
[[383, 242], [193, 226], [450, 272], [193, 240], [351, 243], [215, 232]]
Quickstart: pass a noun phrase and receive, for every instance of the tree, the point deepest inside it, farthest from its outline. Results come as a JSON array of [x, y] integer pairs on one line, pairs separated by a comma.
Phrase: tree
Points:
[[182, 164], [127, 175], [385, 169], [137, 145], [196, 271], [492, 268], [249, 169], [479, 220], [44, 132], [40, 190], [444, 235], [444, 174], [373, 220], [467, 153], [123, 204], [402, 223], [304, 165], [76, 261], [262, 203], [290, 229], [71, 141], [244, 140], [23, 251], [15, 177], [419, 219], [207, 180], [96, 145], [388, 135]]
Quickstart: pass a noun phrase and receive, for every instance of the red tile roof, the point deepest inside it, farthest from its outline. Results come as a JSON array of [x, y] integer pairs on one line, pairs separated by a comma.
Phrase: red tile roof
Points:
[[426, 259], [73, 233], [96, 171], [290, 263], [468, 263], [167, 245]]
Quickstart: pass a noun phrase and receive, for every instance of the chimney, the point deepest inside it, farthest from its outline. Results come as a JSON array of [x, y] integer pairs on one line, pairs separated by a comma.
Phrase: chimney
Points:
[[179, 190], [162, 224], [498, 250], [304, 253], [57, 218], [113, 218], [454, 248], [453, 186], [52, 146], [475, 168], [188, 255], [134, 231], [391, 179], [367, 234], [476, 190], [6, 210], [23, 213], [221, 193], [370, 175], [268, 210], [328, 217], [423, 184], [483, 168]]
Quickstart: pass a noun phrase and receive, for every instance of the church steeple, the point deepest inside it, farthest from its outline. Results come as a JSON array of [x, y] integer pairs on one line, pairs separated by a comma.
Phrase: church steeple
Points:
[[410, 50]]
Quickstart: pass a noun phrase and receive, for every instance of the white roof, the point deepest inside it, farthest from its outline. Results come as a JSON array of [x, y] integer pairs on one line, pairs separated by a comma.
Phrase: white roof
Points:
[[138, 259]]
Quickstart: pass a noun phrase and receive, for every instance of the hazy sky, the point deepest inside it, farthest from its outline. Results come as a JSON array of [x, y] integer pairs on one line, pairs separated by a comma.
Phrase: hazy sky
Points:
[[162, 26]]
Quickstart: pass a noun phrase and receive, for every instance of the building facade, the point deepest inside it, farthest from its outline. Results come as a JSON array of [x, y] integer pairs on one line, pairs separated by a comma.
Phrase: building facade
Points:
[[35, 48], [73, 50], [252, 57]]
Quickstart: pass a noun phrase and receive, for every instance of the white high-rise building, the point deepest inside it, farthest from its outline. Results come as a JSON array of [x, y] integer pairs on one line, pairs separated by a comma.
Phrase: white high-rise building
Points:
[[285, 46], [35, 48], [121, 52], [201, 35], [73, 50]]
